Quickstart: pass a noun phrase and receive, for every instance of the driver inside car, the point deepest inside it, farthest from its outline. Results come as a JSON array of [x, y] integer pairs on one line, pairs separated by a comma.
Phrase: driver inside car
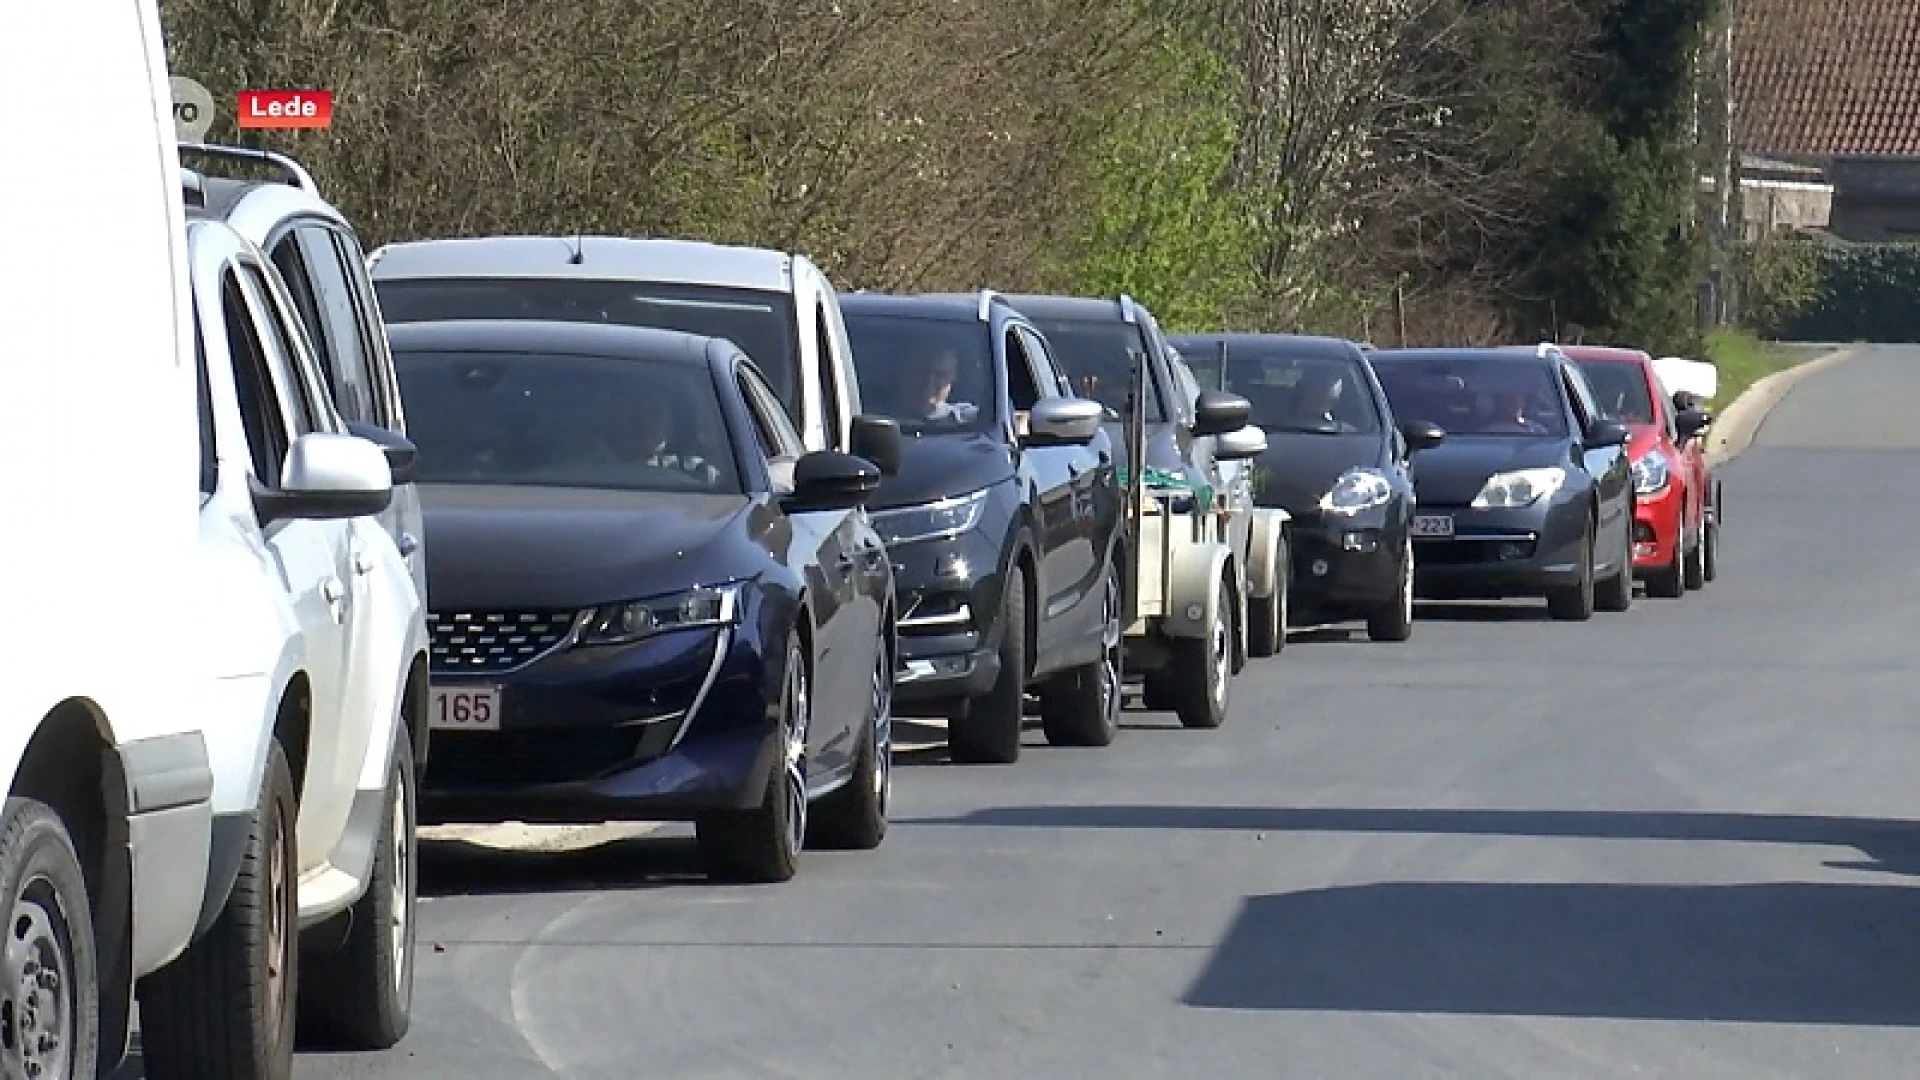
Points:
[[936, 384]]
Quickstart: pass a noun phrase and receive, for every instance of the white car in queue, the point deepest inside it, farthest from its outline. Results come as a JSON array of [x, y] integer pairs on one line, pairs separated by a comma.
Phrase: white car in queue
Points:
[[313, 625]]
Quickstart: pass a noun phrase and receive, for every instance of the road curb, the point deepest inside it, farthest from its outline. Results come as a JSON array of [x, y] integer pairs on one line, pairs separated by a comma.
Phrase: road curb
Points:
[[1736, 425]]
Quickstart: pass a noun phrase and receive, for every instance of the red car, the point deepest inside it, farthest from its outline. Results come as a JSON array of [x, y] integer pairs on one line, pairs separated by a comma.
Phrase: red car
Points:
[[1675, 529]]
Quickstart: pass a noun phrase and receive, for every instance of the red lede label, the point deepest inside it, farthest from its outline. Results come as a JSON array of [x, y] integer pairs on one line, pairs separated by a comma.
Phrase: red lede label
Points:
[[285, 109]]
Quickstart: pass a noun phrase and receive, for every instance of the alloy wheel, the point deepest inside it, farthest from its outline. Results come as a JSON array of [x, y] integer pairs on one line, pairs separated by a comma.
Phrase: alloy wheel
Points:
[[1406, 582], [799, 715], [1110, 656], [883, 730], [1221, 642], [37, 1015], [279, 934], [401, 899]]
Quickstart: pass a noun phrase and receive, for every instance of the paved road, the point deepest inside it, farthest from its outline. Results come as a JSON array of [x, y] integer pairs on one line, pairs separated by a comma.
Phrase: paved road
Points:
[[1676, 842]]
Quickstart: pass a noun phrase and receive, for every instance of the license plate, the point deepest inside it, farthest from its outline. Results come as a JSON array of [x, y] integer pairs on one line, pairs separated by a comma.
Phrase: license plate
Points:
[[464, 708], [1433, 524]]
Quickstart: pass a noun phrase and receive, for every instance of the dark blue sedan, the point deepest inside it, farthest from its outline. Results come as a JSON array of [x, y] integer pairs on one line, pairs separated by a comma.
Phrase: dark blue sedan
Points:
[[649, 602]]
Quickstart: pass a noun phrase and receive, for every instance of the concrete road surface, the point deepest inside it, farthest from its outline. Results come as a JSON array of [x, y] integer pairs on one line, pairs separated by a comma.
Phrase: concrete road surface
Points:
[[1677, 842]]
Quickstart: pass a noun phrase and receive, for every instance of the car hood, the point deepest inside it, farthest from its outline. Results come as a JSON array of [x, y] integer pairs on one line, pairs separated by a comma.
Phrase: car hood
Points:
[[514, 547], [937, 466], [1299, 468], [1452, 473]]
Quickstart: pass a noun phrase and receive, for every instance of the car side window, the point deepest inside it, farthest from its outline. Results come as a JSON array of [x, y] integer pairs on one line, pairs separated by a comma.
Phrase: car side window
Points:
[[1021, 387], [262, 415], [1045, 372], [1586, 407], [1157, 370], [338, 340], [282, 354], [778, 439], [829, 372]]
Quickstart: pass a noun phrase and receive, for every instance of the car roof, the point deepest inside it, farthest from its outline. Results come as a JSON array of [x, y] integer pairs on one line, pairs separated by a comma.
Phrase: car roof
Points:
[[591, 258], [1299, 344], [573, 338], [957, 307], [1036, 306], [1516, 356], [1610, 354]]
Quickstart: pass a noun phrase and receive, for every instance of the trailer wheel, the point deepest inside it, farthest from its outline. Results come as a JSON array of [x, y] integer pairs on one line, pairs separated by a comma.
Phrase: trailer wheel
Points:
[[1203, 668]]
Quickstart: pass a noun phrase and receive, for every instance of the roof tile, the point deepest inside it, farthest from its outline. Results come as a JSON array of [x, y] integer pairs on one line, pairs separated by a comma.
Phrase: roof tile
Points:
[[1828, 77]]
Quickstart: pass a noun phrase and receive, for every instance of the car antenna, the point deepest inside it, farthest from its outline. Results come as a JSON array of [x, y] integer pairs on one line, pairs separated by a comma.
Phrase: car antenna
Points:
[[579, 250]]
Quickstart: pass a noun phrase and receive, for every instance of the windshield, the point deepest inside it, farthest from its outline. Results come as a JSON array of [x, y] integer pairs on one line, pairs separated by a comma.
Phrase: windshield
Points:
[[1621, 390], [934, 376], [1315, 393], [543, 420], [1098, 358], [1470, 396], [761, 323]]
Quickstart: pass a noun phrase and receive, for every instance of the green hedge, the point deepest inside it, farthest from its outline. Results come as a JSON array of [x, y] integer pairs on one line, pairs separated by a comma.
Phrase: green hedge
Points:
[[1865, 292]]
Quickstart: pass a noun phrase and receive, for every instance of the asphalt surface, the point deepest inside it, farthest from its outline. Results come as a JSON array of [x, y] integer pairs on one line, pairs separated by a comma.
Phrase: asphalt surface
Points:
[[1675, 842]]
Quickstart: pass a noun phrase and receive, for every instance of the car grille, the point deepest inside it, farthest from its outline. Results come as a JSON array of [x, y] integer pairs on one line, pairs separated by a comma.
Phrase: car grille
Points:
[[477, 642]]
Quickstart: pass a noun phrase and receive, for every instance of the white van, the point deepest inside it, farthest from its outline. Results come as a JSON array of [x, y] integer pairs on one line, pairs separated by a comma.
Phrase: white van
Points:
[[104, 841]]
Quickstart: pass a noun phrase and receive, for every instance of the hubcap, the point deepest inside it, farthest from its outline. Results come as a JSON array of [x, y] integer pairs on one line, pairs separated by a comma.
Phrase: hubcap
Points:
[[401, 901], [1110, 658], [883, 731], [278, 938], [798, 715], [37, 1015], [1222, 648], [1406, 583]]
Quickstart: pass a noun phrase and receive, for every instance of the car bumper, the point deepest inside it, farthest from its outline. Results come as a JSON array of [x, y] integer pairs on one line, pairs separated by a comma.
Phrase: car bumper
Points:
[[1494, 554], [1343, 564], [169, 839], [662, 730], [1656, 528], [948, 629]]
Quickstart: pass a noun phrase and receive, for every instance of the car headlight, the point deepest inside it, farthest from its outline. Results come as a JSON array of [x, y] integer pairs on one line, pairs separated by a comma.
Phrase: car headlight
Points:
[[1521, 487], [1357, 490], [930, 521], [636, 620], [1651, 472]]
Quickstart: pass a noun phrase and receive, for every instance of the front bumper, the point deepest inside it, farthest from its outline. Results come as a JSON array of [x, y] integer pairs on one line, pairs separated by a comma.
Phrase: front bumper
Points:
[[1656, 528], [169, 840], [661, 730], [1343, 564], [949, 633], [1494, 554]]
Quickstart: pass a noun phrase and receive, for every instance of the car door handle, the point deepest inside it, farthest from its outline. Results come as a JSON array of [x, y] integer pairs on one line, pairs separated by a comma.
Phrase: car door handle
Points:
[[409, 544], [332, 590], [362, 563]]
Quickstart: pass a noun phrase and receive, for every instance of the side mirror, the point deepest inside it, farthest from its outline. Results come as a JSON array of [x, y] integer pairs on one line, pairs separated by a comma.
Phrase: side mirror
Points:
[[327, 477], [1064, 421], [1422, 435], [1217, 412], [877, 438], [830, 480], [1691, 422], [400, 451], [1248, 442], [1604, 433]]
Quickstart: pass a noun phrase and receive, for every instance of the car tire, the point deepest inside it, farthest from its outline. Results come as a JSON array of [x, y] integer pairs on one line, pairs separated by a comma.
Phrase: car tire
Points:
[[210, 1015], [1393, 621], [1267, 615], [52, 926], [1615, 592], [1710, 553], [1667, 582], [1203, 668], [1081, 707], [360, 996], [986, 730], [1574, 603], [762, 846], [1694, 572], [1156, 691], [854, 818]]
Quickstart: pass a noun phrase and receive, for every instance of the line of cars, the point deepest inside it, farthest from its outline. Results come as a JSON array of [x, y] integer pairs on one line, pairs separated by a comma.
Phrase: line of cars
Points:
[[554, 529]]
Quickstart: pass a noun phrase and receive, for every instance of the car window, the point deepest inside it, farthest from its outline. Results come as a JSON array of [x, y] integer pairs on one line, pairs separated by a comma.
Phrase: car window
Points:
[[761, 323], [934, 376], [1303, 390], [1098, 357], [1586, 405], [338, 337], [287, 350], [575, 421], [1046, 372], [1475, 396], [1023, 390], [777, 431], [829, 372], [263, 416]]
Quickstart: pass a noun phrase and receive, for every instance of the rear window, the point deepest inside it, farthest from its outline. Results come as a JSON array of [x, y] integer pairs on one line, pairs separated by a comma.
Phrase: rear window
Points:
[[1621, 390]]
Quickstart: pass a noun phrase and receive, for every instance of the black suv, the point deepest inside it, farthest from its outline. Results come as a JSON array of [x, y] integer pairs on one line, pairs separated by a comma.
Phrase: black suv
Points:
[[1004, 523]]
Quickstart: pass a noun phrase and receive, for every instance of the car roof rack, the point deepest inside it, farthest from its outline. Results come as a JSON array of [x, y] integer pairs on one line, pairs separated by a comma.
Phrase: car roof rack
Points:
[[193, 188], [1129, 311], [296, 174], [987, 298]]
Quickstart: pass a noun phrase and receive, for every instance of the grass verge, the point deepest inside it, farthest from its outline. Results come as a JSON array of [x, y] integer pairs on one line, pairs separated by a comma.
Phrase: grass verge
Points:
[[1744, 359]]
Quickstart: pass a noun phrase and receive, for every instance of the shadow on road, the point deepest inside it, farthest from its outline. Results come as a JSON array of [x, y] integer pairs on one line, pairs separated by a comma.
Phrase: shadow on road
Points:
[[1765, 953], [1480, 611], [1889, 846], [460, 868]]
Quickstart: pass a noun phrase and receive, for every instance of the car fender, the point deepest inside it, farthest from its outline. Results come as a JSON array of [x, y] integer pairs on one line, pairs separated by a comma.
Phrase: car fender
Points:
[[1264, 572], [1193, 603]]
